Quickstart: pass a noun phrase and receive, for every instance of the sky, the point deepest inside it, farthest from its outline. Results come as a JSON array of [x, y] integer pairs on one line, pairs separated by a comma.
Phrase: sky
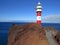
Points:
[[25, 11]]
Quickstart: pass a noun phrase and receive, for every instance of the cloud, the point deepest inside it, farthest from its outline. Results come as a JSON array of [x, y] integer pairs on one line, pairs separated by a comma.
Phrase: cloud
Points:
[[51, 19]]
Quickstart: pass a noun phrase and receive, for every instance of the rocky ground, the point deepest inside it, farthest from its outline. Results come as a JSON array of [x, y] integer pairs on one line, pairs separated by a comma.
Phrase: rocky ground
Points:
[[29, 34], [57, 37]]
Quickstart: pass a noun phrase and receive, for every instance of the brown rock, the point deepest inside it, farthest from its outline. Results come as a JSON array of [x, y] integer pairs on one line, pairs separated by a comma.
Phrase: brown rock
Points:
[[30, 34]]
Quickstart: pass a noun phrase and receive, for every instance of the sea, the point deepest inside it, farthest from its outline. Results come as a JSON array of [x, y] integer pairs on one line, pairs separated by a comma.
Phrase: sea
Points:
[[5, 26]]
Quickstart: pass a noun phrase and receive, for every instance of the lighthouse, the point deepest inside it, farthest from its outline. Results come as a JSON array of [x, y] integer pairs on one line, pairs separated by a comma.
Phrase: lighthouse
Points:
[[38, 11]]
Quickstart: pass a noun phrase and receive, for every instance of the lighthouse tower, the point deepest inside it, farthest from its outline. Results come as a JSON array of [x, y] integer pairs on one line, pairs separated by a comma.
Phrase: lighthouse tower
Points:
[[38, 11]]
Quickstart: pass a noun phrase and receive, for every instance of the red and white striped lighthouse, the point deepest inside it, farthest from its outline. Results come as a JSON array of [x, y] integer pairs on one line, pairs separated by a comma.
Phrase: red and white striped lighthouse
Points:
[[38, 11]]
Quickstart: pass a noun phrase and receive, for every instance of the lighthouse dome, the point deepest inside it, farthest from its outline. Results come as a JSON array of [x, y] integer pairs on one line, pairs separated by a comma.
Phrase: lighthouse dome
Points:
[[38, 3], [39, 6]]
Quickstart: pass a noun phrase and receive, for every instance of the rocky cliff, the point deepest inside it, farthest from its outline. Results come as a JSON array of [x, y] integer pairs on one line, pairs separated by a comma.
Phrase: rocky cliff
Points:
[[29, 34]]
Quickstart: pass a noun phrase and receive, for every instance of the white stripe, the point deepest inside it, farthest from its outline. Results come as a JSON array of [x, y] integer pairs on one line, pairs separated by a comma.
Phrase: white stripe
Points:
[[38, 17], [39, 7], [39, 10]]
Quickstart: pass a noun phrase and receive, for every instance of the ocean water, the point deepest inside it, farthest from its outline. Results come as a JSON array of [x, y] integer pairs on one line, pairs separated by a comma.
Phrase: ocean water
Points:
[[5, 26]]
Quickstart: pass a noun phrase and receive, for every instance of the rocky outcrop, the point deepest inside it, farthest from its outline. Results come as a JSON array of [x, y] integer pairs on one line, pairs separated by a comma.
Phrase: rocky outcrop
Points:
[[57, 37], [29, 34], [52, 30]]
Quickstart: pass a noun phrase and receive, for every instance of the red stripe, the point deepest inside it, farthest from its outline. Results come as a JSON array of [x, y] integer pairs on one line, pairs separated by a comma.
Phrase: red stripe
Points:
[[38, 13], [38, 21]]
